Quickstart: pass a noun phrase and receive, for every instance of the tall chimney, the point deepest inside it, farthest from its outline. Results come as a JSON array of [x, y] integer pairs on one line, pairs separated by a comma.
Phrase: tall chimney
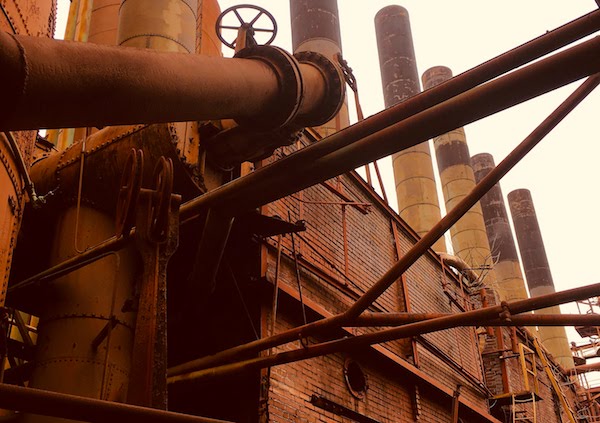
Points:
[[316, 27], [537, 271], [469, 239], [104, 22], [167, 25], [413, 169], [511, 285]]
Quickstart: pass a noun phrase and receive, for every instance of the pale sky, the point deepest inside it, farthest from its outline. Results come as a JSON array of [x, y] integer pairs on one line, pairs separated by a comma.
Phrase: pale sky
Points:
[[562, 172]]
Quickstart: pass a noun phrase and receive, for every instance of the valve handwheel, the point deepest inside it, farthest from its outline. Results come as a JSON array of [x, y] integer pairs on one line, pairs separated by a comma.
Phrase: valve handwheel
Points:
[[235, 11]]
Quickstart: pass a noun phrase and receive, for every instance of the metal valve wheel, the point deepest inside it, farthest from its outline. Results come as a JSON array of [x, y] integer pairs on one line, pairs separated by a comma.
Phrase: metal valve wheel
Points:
[[233, 13]]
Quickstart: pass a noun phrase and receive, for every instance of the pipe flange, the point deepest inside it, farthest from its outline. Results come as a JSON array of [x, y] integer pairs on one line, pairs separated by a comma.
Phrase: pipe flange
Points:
[[291, 87], [335, 94]]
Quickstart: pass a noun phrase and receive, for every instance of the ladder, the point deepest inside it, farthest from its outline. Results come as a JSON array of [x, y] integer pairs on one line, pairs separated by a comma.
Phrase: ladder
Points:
[[559, 393], [524, 404]]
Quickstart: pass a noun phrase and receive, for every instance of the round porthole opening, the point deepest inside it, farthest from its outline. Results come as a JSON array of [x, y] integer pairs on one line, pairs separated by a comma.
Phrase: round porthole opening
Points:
[[355, 378]]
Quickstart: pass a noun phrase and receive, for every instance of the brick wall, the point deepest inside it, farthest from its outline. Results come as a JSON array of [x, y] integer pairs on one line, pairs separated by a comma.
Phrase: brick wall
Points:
[[334, 284]]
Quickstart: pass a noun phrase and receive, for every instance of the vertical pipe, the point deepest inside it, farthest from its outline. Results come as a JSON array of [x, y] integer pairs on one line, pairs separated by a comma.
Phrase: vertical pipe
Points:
[[511, 285], [316, 27], [537, 271], [469, 239], [413, 168]]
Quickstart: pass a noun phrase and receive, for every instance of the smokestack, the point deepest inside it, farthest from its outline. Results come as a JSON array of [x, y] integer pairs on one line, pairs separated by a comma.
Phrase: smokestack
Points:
[[167, 25], [316, 27], [104, 22], [537, 271], [413, 169], [511, 285], [469, 239]]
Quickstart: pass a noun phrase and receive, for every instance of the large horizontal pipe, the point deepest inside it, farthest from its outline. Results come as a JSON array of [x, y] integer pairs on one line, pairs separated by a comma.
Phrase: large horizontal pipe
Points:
[[413, 329], [399, 319], [67, 406], [55, 84], [348, 149], [414, 253], [518, 56]]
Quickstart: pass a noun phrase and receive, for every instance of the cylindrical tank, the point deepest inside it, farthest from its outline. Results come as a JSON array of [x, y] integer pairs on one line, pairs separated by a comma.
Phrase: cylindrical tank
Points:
[[413, 168], [316, 27], [167, 25], [39, 21], [511, 285], [77, 308], [537, 271], [469, 238], [207, 42]]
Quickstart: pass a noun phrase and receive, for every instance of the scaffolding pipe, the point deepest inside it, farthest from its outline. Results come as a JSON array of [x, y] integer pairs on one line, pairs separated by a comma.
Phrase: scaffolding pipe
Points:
[[37, 401], [406, 331], [413, 254]]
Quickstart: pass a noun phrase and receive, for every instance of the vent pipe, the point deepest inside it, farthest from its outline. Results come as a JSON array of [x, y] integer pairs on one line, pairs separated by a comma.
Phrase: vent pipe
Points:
[[469, 239], [413, 168], [511, 285], [537, 271], [316, 28]]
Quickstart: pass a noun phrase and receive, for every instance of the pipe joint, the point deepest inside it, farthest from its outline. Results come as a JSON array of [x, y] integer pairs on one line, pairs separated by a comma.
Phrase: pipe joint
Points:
[[335, 90], [291, 87]]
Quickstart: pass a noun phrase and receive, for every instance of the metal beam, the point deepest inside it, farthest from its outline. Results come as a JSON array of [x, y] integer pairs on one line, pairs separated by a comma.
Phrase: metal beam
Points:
[[67, 406], [419, 328]]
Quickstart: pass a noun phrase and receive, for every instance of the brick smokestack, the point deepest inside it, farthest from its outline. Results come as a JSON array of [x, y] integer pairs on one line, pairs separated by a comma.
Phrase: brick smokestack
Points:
[[537, 271], [511, 285], [316, 27], [469, 238], [413, 168]]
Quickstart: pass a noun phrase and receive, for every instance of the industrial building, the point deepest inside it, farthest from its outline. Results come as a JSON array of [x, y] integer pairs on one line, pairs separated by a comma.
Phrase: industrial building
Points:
[[188, 237]]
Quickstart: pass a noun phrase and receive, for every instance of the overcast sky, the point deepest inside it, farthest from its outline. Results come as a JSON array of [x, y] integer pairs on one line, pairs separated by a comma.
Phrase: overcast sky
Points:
[[562, 172]]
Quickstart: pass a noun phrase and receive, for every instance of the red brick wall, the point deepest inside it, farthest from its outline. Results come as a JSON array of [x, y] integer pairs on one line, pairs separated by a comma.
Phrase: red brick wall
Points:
[[371, 252]]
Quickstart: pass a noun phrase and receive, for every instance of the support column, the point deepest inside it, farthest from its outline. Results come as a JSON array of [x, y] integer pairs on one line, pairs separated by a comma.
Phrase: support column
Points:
[[469, 239], [511, 285], [537, 271], [413, 168]]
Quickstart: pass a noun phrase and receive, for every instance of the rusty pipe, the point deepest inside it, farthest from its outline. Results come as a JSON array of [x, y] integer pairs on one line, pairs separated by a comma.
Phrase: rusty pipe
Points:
[[55, 404], [94, 85], [413, 254], [399, 319], [406, 331], [343, 151]]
